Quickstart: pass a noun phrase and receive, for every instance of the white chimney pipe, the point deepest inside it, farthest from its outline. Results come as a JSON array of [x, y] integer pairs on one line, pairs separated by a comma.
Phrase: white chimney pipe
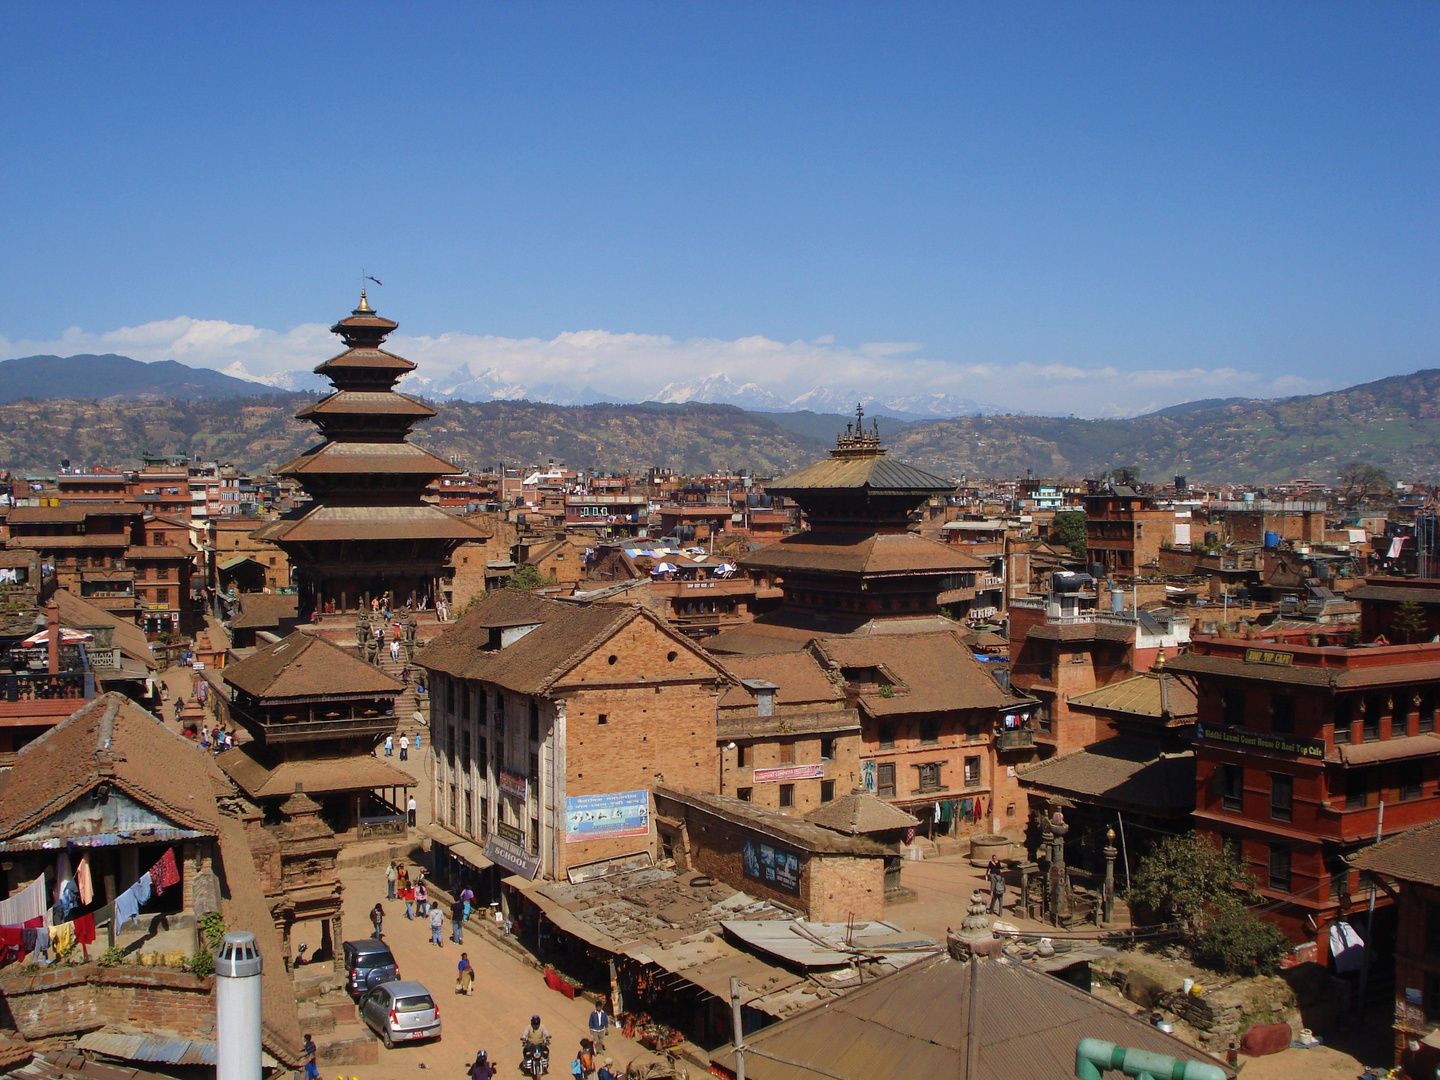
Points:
[[237, 1008]]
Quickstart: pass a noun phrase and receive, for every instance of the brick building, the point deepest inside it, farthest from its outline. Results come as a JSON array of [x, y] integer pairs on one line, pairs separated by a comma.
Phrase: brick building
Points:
[[1381, 599], [788, 738], [552, 722], [940, 737], [86, 543], [315, 714], [239, 561], [826, 875], [1124, 531], [1061, 646], [1406, 868], [1297, 749]]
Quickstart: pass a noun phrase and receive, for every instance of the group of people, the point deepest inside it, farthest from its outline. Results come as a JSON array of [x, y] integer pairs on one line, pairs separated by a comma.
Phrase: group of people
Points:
[[404, 746], [401, 884]]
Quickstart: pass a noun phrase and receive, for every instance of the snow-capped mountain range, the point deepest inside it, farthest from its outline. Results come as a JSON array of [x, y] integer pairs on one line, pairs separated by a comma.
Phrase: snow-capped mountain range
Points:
[[465, 384]]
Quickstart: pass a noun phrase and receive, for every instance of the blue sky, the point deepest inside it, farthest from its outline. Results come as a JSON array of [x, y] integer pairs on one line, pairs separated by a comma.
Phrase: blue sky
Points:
[[1093, 208]]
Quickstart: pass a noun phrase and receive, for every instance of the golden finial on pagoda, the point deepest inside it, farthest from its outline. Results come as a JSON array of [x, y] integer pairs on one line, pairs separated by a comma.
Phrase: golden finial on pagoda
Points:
[[364, 308]]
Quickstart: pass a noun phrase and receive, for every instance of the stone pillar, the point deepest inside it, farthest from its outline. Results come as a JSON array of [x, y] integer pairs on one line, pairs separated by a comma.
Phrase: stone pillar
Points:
[[1108, 908], [1059, 879]]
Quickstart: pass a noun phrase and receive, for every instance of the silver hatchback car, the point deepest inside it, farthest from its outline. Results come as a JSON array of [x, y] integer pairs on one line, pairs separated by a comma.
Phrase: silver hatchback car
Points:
[[401, 1011]]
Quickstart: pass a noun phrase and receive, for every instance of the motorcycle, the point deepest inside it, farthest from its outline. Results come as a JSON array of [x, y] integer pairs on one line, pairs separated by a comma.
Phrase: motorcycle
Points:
[[535, 1059]]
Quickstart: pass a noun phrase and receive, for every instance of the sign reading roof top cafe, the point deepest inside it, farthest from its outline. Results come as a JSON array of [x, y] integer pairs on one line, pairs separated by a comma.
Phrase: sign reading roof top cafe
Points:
[[1245, 739]]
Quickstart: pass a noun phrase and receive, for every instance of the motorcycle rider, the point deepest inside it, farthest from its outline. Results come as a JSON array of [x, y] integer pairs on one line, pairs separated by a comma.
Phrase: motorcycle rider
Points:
[[538, 1037]]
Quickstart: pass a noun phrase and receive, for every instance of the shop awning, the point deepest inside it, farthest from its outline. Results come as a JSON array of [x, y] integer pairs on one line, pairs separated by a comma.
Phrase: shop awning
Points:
[[468, 852]]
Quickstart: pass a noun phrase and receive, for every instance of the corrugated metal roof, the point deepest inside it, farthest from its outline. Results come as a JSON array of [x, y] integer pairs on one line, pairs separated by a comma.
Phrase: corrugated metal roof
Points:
[[149, 1048], [914, 1024], [817, 945]]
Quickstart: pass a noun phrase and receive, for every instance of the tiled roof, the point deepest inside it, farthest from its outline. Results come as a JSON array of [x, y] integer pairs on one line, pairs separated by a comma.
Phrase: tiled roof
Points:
[[417, 522], [794, 830], [915, 1023], [152, 764], [1159, 695], [350, 457], [1121, 771], [82, 614], [301, 665], [1375, 672], [859, 813], [316, 776], [876, 473], [1397, 593], [265, 611], [71, 512], [1413, 855], [789, 630], [1082, 631], [367, 402], [564, 635], [799, 676], [842, 552], [935, 672], [367, 357]]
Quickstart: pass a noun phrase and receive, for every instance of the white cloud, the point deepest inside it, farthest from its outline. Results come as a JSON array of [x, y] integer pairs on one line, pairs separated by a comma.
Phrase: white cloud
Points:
[[630, 366]]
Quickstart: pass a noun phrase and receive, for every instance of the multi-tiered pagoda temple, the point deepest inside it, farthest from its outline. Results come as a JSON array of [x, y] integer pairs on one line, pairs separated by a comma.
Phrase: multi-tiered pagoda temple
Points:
[[367, 533]]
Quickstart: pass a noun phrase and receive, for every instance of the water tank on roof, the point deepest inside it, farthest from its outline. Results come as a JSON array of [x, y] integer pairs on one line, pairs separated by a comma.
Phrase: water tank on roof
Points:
[[1272, 540], [1064, 581], [1117, 601]]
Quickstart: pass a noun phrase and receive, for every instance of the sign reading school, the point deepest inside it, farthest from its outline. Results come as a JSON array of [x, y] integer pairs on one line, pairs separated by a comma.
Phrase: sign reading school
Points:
[[604, 817]]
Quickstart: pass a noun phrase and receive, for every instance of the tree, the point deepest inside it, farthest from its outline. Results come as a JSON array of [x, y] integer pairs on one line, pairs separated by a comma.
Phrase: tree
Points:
[[1188, 877], [525, 578], [1207, 890], [1409, 620], [1067, 529], [1359, 481], [1125, 475]]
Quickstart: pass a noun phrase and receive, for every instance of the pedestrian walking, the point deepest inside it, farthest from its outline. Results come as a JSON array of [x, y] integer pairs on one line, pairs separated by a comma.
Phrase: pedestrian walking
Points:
[[422, 900], [586, 1058], [417, 740], [437, 924], [467, 898], [390, 878], [408, 895], [377, 917], [410, 808], [599, 1025], [997, 887], [404, 747], [389, 746], [457, 922], [312, 1067], [465, 977], [395, 649]]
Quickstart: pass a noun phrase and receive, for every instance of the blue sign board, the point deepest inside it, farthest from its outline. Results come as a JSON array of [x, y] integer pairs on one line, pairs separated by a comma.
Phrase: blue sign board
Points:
[[604, 817]]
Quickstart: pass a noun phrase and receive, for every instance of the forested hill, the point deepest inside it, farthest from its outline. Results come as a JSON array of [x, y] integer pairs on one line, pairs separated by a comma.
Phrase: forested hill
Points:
[[1393, 423]]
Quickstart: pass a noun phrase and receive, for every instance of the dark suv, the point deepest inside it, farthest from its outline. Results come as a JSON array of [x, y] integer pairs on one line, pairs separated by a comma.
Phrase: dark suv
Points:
[[368, 963]]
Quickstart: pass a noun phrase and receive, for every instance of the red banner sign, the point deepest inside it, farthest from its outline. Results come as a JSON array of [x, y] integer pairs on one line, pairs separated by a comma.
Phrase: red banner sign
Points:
[[789, 772]]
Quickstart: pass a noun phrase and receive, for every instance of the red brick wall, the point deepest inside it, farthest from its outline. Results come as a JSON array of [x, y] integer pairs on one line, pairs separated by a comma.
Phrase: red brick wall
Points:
[[71, 1001], [660, 723], [832, 886]]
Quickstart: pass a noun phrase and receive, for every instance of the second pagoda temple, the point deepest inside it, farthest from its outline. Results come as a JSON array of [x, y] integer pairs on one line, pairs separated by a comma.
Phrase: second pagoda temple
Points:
[[367, 534]]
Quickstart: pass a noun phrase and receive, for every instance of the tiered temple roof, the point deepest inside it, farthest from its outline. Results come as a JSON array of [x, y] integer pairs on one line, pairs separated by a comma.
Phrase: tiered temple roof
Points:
[[367, 532]]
